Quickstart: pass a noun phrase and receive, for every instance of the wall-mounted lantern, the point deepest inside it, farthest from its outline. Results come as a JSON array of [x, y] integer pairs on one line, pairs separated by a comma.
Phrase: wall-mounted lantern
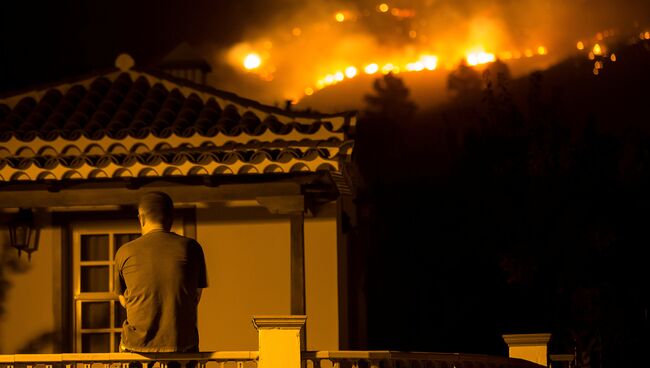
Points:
[[23, 234]]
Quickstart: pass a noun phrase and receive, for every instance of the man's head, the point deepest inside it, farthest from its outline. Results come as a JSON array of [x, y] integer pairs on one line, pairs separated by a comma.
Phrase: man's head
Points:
[[156, 210]]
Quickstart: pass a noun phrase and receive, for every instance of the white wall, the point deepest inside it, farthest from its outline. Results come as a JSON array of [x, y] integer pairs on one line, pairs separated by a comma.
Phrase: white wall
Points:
[[248, 257], [29, 303], [247, 253]]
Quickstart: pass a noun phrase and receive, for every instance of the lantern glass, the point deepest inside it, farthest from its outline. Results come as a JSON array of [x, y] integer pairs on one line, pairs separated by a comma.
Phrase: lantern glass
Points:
[[22, 232]]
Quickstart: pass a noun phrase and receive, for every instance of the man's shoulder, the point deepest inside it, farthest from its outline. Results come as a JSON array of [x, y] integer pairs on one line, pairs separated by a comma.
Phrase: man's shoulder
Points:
[[179, 239], [190, 243], [157, 239], [127, 247]]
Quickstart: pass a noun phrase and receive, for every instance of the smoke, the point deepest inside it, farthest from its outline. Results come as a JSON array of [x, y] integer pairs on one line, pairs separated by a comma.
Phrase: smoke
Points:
[[305, 45]]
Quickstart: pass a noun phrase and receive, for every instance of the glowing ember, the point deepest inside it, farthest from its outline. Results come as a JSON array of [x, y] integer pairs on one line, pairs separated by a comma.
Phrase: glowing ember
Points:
[[383, 7], [371, 68], [387, 68], [309, 91], [480, 57], [340, 17], [350, 72], [415, 67], [580, 45], [597, 49], [402, 13], [613, 57], [541, 50], [430, 62], [252, 61]]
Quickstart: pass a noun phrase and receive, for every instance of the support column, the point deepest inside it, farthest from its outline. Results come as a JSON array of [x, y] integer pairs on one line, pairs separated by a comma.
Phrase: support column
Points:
[[297, 264], [298, 293], [279, 340]]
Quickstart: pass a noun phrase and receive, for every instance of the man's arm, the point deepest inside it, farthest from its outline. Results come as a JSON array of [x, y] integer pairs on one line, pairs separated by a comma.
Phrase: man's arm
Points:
[[202, 273], [119, 285]]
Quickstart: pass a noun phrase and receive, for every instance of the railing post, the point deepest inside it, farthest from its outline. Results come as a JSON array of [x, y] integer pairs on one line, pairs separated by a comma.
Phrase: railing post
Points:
[[531, 347], [279, 340]]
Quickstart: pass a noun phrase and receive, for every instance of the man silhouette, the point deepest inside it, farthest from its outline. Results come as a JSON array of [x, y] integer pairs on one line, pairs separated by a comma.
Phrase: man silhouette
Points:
[[159, 278]]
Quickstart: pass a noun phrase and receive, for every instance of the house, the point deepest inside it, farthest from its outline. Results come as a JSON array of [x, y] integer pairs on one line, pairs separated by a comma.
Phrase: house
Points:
[[266, 191]]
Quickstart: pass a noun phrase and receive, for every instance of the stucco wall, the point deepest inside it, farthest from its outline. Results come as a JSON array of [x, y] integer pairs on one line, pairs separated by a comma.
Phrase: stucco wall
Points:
[[247, 256], [29, 300]]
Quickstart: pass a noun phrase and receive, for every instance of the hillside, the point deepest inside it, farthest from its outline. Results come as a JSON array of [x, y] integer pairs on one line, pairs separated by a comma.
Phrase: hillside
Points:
[[572, 79]]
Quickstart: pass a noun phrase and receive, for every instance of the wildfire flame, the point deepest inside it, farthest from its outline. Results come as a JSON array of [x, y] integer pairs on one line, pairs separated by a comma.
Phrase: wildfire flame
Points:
[[326, 44], [480, 57], [252, 61], [427, 62]]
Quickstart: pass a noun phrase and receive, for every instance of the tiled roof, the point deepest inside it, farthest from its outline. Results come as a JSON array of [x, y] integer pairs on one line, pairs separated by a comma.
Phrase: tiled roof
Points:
[[136, 123]]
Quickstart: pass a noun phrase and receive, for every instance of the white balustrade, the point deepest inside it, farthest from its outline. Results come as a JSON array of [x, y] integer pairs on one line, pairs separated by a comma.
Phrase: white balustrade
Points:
[[226, 359], [280, 346]]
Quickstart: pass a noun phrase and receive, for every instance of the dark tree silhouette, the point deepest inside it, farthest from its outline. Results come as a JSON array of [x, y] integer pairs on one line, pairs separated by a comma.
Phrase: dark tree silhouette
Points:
[[498, 72], [390, 101], [541, 207], [464, 83]]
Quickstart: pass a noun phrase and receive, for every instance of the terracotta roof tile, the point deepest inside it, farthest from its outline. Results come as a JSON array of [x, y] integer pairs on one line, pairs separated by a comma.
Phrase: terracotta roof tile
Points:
[[135, 123], [132, 107]]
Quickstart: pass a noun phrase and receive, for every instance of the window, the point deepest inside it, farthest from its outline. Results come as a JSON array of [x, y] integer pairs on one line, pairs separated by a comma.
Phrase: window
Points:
[[98, 315]]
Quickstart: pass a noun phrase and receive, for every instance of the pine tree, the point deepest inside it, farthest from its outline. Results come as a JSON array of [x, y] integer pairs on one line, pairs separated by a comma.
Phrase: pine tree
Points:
[[390, 101]]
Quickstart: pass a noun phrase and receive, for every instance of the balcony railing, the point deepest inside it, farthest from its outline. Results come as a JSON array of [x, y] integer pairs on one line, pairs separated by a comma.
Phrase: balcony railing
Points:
[[249, 359], [392, 359], [280, 347], [223, 359]]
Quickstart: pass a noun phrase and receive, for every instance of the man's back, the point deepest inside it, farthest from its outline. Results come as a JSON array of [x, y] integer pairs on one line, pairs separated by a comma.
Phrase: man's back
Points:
[[160, 274]]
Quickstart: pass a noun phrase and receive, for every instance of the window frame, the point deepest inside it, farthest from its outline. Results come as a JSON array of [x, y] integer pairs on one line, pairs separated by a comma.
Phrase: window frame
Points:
[[79, 229]]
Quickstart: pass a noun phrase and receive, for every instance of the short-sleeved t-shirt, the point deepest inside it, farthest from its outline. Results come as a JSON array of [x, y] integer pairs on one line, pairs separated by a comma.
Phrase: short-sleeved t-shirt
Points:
[[159, 274]]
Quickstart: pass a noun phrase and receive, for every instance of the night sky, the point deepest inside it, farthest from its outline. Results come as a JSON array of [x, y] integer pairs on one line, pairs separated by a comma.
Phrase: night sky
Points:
[[461, 244], [46, 41]]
